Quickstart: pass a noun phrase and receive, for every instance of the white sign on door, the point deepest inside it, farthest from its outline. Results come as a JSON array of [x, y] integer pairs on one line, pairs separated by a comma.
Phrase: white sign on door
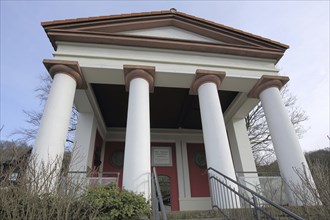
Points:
[[161, 156]]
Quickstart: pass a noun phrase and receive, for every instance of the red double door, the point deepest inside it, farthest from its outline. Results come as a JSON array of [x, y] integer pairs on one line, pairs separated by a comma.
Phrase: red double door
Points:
[[199, 185], [113, 162]]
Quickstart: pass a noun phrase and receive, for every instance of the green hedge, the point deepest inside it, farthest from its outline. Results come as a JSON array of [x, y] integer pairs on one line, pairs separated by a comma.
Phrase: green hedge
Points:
[[102, 203], [115, 204]]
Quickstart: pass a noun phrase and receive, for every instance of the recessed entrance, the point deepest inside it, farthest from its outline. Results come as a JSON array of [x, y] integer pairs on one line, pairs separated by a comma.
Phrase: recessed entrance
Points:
[[167, 173], [165, 189], [199, 184], [165, 166]]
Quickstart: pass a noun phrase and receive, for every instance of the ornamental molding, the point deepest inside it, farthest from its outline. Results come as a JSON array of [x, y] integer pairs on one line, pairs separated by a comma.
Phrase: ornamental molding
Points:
[[111, 30], [145, 72], [266, 82], [200, 160], [70, 68], [205, 76]]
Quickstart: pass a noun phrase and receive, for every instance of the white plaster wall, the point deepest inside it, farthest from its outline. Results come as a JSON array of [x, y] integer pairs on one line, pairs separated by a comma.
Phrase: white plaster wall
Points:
[[84, 142], [240, 146], [101, 61], [170, 32], [189, 204], [242, 153]]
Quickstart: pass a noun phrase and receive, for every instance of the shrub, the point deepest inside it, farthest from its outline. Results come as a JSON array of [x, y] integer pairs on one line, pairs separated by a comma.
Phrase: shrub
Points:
[[115, 204], [314, 195], [30, 191]]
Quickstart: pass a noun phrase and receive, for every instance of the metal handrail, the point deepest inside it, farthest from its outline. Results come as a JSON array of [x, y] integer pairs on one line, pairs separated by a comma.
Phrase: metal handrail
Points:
[[266, 184], [234, 193], [96, 172], [157, 197], [116, 174], [259, 173]]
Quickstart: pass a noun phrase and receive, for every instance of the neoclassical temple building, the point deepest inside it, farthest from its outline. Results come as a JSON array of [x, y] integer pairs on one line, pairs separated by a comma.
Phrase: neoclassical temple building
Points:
[[168, 90]]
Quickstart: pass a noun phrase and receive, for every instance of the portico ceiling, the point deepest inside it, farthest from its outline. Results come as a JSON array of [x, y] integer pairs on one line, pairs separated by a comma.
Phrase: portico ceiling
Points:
[[169, 107]]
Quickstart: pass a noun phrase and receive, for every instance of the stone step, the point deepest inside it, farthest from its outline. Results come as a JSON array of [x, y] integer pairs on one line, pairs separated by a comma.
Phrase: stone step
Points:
[[205, 218], [195, 215]]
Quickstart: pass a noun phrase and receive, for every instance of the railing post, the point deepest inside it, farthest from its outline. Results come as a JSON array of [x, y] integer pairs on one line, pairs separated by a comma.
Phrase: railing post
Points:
[[118, 176], [154, 198], [256, 211], [159, 194], [211, 190]]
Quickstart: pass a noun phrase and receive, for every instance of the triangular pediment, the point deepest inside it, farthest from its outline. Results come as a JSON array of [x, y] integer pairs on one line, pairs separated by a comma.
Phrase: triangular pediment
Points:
[[171, 32], [166, 30]]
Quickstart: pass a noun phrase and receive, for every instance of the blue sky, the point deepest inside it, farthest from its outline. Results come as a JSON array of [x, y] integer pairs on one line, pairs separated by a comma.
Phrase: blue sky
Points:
[[303, 25]]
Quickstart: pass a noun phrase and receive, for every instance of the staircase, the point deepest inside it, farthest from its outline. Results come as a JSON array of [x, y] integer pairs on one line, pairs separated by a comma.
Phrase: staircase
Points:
[[196, 215], [230, 200], [236, 201]]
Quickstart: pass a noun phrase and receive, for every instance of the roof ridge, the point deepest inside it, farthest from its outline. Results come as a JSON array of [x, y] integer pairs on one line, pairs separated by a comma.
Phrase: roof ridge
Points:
[[232, 29], [104, 17], [171, 11]]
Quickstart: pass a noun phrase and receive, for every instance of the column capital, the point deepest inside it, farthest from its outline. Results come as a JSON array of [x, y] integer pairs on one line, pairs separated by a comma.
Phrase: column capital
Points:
[[135, 71], [204, 76], [266, 82], [70, 68]]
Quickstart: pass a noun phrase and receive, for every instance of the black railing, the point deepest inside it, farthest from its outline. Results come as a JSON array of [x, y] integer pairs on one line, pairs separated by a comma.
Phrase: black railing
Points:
[[157, 199], [236, 201]]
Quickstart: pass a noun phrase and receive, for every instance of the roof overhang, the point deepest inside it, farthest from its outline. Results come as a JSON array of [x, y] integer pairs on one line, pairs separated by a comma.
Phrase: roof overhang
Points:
[[108, 30]]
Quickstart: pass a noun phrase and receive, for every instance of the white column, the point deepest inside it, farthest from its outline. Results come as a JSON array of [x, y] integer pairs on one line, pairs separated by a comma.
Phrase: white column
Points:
[[48, 148], [52, 134], [217, 150], [214, 131], [286, 145], [179, 168], [82, 153], [137, 168]]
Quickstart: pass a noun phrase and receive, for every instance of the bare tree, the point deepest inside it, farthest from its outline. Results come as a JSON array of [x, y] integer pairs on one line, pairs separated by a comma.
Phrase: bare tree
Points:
[[12, 150], [258, 131], [30, 190], [316, 191], [33, 118]]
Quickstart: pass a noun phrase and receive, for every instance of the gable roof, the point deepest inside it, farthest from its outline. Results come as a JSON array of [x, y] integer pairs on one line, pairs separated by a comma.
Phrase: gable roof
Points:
[[111, 30]]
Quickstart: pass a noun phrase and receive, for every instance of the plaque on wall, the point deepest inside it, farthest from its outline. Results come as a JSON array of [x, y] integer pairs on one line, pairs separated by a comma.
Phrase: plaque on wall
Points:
[[161, 156], [117, 159], [200, 160]]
